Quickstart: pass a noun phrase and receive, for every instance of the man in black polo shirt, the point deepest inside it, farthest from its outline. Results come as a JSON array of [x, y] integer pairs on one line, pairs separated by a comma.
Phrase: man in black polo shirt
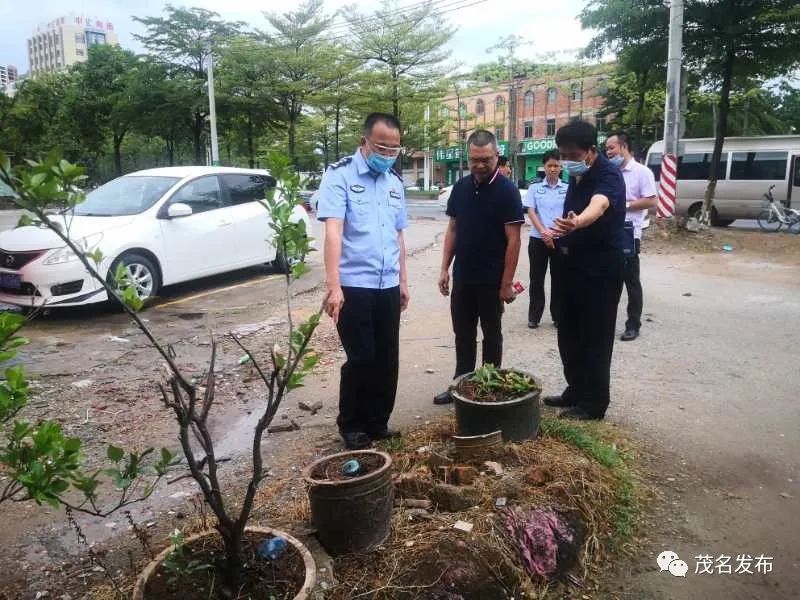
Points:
[[483, 236], [590, 239]]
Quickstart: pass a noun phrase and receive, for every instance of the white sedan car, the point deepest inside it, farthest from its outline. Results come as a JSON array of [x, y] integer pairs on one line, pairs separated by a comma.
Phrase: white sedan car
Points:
[[166, 225]]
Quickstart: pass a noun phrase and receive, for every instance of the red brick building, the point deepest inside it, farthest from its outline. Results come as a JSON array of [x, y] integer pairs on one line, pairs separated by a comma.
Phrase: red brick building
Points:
[[543, 104]]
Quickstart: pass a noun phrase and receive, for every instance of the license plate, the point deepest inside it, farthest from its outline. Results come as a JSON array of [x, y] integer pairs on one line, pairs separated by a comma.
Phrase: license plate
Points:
[[10, 281]]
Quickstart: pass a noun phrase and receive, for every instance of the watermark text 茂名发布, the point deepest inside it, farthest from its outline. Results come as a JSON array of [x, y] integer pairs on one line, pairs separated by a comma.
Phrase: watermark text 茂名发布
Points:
[[706, 564]]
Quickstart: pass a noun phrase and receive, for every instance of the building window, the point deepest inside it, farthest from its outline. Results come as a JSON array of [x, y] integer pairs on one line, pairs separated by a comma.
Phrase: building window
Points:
[[80, 38], [462, 111], [575, 91], [498, 133], [551, 95], [602, 86], [600, 124], [528, 99], [528, 129], [551, 126], [79, 51], [445, 112], [499, 102], [479, 107]]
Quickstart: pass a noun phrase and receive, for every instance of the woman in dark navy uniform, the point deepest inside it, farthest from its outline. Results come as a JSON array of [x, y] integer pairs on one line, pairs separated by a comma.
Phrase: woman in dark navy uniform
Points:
[[590, 239]]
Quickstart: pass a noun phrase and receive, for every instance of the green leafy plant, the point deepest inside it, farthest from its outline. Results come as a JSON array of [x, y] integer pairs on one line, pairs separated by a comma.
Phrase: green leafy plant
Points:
[[53, 179], [39, 463], [488, 380], [177, 564]]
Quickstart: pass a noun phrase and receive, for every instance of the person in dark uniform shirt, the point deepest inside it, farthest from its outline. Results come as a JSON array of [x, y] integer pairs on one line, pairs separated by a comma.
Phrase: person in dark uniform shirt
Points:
[[590, 240], [362, 204], [483, 238]]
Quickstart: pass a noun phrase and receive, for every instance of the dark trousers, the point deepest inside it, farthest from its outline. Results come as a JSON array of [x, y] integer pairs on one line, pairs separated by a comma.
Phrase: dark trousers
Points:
[[369, 327], [592, 289], [539, 256], [634, 287], [470, 303]]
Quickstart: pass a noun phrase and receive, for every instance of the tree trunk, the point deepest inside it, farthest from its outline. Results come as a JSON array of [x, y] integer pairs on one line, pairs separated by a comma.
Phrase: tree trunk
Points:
[[231, 574], [171, 151], [722, 126], [251, 153], [197, 138], [118, 153], [395, 93], [641, 82], [336, 132]]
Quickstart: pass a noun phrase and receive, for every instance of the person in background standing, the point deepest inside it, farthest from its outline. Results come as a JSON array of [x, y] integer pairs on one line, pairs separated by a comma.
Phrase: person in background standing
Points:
[[640, 196], [544, 203]]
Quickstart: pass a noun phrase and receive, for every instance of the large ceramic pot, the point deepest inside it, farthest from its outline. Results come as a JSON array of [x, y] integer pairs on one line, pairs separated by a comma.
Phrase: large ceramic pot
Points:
[[308, 560]]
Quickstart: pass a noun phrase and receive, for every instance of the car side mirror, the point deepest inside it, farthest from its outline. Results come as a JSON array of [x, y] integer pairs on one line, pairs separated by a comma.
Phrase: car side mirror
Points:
[[178, 210]]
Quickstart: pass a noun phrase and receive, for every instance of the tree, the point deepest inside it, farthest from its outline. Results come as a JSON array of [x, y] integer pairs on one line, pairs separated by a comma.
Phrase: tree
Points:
[[247, 94], [407, 47], [183, 40], [300, 57], [788, 110], [636, 31], [108, 101], [737, 41]]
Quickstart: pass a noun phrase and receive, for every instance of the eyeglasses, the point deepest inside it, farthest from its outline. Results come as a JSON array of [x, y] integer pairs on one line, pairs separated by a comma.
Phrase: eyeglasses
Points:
[[481, 161], [385, 150]]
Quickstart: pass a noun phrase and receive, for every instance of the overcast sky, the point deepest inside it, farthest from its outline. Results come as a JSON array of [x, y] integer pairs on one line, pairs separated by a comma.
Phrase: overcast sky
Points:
[[547, 26]]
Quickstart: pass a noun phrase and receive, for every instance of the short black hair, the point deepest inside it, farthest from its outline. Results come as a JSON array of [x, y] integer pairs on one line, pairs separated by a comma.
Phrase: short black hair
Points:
[[623, 138], [502, 161], [577, 133], [551, 155], [379, 117], [481, 137]]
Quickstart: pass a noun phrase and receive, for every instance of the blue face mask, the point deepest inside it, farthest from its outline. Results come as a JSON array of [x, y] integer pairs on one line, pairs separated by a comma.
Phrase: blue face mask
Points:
[[575, 167], [617, 160], [379, 163]]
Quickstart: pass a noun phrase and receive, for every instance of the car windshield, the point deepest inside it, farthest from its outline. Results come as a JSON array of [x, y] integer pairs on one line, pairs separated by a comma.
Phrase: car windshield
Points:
[[127, 195]]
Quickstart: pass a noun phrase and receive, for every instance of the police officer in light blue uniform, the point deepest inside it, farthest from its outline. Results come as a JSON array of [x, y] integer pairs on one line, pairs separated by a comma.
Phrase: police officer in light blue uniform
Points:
[[544, 203], [362, 203]]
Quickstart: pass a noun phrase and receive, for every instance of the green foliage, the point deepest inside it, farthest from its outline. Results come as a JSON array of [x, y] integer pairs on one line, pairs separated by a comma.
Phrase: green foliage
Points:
[[489, 380], [177, 564]]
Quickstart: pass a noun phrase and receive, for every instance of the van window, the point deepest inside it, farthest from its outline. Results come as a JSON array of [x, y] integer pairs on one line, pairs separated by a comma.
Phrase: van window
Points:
[[695, 165], [654, 162], [759, 165], [797, 171]]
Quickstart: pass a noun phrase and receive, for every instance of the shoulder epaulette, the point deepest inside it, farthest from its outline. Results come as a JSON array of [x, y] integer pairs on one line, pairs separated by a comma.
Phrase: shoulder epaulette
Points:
[[396, 174], [341, 162]]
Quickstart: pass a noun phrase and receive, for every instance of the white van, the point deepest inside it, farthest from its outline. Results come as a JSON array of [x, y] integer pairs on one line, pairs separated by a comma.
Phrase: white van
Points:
[[748, 167]]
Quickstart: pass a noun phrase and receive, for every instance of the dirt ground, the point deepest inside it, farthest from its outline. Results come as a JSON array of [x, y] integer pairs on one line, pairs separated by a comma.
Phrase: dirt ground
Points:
[[709, 389]]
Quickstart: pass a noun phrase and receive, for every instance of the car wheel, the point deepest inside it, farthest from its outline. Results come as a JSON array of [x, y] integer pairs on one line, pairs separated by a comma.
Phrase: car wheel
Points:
[[142, 273], [695, 210]]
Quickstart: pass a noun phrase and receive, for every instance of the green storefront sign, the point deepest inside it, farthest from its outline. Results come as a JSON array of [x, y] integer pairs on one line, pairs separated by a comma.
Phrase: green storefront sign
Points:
[[453, 153]]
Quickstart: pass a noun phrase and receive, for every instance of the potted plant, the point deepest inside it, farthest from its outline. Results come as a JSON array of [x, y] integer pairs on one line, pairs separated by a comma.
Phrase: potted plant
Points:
[[236, 556], [491, 399]]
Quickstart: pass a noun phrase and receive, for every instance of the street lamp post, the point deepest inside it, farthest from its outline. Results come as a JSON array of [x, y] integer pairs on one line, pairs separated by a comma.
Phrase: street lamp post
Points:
[[212, 110]]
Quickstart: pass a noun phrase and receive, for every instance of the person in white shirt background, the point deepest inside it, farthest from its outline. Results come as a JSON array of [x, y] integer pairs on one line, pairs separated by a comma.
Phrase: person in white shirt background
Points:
[[640, 196], [544, 203]]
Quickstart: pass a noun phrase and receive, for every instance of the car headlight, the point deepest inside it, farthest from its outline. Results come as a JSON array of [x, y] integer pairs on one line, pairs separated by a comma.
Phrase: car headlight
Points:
[[65, 254]]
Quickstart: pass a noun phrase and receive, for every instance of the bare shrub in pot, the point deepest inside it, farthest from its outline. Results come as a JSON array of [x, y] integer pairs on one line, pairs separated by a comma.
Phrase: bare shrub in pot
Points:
[[54, 180]]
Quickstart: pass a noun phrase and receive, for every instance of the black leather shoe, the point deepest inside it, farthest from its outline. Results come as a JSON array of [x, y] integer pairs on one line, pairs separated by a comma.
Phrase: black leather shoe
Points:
[[629, 335], [384, 434], [577, 414], [532, 325], [558, 401], [443, 398], [356, 440]]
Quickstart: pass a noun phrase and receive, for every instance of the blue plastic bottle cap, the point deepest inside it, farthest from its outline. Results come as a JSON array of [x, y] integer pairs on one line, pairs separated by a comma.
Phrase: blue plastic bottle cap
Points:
[[351, 468]]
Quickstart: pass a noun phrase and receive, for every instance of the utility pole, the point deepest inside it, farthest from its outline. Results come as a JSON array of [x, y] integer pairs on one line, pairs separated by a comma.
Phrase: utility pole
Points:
[[672, 112], [426, 172], [212, 110]]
